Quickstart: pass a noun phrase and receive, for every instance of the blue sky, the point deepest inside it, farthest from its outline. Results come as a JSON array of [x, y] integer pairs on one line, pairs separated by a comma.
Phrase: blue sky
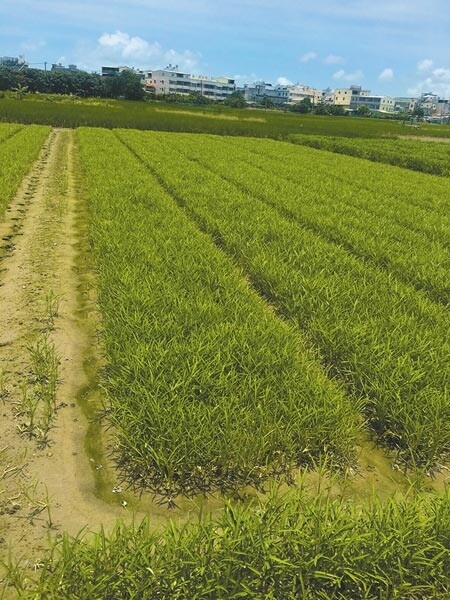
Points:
[[397, 47]]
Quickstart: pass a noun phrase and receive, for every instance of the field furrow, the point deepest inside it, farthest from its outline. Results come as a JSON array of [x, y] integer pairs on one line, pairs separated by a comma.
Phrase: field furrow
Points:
[[7, 130]]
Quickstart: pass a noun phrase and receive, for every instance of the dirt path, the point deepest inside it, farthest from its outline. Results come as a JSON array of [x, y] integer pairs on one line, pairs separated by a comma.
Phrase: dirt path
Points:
[[49, 480], [54, 476]]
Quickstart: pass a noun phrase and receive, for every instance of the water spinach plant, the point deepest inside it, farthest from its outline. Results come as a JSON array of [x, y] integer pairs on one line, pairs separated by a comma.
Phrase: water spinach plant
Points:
[[384, 338], [208, 387]]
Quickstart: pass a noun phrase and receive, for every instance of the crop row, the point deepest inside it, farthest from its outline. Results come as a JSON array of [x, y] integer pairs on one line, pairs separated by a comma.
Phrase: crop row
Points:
[[289, 547], [340, 214], [17, 154], [208, 388], [7, 130], [429, 157], [383, 338], [400, 187]]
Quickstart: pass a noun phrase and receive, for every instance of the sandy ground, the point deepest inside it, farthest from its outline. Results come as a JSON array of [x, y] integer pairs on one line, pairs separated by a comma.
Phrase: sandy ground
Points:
[[41, 322]]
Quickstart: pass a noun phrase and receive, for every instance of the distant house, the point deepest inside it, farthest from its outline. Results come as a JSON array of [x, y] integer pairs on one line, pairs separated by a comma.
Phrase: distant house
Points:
[[257, 92], [13, 62], [172, 81], [59, 68], [353, 97]]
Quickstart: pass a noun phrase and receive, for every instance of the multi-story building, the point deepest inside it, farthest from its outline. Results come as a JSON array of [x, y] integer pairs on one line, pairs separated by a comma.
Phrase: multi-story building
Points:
[[407, 105], [114, 71], [13, 62], [442, 108], [59, 68], [353, 97], [256, 93], [172, 81], [346, 96], [299, 92]]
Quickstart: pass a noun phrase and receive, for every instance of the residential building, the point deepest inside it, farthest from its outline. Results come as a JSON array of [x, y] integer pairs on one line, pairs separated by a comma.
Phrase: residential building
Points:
[[114, 71], [13, 62], [346, 96], [353, 97], [442, 108], [59, 68], [402, 104], [173, 81], [256, 93], [299, 92]]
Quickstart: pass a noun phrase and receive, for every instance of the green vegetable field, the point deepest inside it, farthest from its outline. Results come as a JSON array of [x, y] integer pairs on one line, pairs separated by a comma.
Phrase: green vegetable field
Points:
[[429, 157], [265, 310]]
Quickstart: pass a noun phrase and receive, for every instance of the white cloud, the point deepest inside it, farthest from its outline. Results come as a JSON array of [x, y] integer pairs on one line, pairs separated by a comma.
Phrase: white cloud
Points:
[[333, 59], [437, 82], [284, 81], [308, 57], [121, 48], [386, 75], [425, 64], [354, 77]]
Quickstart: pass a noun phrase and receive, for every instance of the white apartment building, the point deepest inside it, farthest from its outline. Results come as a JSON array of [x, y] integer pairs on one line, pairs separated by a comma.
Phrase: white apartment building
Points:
[[172, 81], [299, 92]]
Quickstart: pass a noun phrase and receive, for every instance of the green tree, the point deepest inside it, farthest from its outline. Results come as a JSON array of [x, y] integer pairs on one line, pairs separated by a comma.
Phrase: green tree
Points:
[[418, 112], [304, 106], [20, 91], [363, 111], [337, 110], [236, 100], [267, 102], [321, 109]]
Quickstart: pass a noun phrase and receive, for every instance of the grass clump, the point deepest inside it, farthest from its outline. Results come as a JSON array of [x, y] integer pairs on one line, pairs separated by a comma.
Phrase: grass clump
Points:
[[286, 547]]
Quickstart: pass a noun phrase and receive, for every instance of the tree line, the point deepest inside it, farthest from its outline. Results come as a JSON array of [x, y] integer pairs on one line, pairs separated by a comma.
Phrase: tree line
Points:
[[79, 83]]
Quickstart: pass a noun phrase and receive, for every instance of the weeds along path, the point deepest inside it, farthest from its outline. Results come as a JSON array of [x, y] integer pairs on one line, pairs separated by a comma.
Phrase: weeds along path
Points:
[[46, 477]]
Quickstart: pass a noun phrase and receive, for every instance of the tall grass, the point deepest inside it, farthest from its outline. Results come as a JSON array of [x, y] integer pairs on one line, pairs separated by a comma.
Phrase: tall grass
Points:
[[208, 388], [383, 338], [292, 546]]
